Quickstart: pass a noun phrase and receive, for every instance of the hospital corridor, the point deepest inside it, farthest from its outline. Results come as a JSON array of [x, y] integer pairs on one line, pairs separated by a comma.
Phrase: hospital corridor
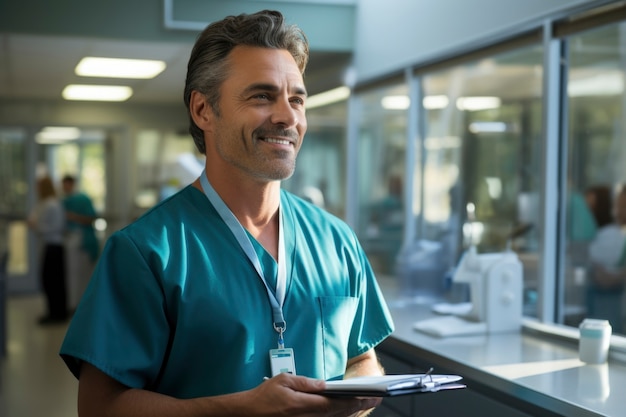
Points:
[[34, 381]]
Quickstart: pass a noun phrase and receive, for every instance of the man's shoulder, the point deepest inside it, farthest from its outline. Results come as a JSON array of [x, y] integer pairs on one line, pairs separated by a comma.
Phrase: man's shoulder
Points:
[[307, 212], [302, 205], [78, 195], [78, 199], [172, 210]]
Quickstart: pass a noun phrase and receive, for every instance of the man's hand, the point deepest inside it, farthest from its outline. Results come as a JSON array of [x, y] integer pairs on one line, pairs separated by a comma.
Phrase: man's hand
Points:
[[366, 364], [293, 395], [285, 394]]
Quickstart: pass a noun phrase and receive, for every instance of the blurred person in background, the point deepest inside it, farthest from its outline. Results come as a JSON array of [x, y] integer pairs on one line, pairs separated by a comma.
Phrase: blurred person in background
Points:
[[607, 256], [81, 241], [48, 221]]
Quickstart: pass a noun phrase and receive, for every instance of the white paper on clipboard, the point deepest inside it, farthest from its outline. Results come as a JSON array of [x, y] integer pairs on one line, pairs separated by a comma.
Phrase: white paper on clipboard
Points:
[[392, 385]]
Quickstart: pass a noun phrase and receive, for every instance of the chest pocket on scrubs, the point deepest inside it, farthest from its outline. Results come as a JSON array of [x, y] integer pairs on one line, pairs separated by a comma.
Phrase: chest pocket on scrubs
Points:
[[337, 320]]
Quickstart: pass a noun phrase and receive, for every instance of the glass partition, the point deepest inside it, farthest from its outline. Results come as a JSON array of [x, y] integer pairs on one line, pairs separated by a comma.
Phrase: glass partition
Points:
[[382, 144], [320, 175], [165, 162], [475, 177], [596, 170], [481, 158]]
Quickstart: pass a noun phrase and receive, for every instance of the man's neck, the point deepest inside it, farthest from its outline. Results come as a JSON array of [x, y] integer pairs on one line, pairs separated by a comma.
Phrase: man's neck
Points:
[[254, 203]]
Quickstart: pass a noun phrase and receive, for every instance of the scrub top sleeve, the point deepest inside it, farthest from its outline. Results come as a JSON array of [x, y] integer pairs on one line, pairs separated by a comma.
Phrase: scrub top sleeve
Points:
[[121, 325], [372, 321], [83, 205]]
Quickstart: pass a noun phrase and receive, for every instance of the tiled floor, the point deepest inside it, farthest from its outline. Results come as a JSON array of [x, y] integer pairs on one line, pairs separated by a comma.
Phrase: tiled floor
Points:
[[34, 382]]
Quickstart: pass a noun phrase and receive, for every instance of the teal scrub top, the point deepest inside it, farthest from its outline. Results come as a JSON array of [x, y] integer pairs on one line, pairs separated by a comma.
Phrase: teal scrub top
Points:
[[582, 226], [176, 307], [81, 204]]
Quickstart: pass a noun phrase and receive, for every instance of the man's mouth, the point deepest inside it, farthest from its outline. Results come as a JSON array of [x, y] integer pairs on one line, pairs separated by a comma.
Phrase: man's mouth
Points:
[[277, 141]]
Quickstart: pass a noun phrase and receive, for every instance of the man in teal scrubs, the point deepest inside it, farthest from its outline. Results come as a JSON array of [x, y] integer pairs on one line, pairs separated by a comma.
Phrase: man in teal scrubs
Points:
[[81, 243], [232, 297]]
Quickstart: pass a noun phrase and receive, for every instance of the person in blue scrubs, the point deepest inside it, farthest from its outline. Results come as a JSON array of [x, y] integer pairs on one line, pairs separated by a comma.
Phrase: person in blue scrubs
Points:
[[232, 297], [81, 244]]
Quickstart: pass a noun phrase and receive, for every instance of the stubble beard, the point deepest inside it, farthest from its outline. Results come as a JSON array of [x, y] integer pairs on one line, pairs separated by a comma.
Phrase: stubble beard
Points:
[[279, 166]]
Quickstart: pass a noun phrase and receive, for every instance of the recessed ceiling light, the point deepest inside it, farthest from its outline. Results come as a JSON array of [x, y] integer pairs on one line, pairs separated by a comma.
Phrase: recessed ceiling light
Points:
[[435, 102], [55, 135], [488, 127], [477, 103], [119, 68], [396, 102], [605, 84], [97, 92], [328, 97]]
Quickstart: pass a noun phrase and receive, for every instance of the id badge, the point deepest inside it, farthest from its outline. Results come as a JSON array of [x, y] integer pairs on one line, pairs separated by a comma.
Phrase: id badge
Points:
[[282, 360]]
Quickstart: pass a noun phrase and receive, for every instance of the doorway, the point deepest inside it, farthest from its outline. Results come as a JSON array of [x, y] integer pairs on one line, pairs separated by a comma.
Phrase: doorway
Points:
[[26, 154]]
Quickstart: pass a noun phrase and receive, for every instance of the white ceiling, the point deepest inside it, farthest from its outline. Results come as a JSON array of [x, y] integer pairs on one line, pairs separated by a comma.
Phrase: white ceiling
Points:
[[38, 67]]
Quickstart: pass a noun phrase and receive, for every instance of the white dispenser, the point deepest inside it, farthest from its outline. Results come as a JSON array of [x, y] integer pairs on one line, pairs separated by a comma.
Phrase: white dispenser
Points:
[[495, 282]]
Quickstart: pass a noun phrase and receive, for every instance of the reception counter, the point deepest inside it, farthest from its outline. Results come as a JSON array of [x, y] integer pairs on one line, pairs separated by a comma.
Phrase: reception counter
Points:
[[520, 373]]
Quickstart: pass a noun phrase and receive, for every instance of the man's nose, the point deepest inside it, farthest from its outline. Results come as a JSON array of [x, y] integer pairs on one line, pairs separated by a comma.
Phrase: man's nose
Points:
[[284, 113]]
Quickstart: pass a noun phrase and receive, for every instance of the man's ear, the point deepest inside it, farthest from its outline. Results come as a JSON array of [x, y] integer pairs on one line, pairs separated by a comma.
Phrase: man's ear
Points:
[[200, 110]]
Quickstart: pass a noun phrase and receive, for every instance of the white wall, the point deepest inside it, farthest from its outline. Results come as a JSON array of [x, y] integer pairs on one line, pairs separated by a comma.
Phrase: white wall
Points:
[[393, 34]]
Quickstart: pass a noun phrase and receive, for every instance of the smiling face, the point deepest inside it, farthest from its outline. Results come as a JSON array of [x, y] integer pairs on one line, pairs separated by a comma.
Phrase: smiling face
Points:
[[260, 121]]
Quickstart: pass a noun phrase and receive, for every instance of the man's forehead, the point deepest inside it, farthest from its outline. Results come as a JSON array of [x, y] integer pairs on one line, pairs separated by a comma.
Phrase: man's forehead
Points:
[[256, 62]]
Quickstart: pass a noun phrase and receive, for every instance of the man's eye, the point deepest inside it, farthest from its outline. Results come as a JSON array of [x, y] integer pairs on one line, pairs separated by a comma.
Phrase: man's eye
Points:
[[298, 100], [262, 97]]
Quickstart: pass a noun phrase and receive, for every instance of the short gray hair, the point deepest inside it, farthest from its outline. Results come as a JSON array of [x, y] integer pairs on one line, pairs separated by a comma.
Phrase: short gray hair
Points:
[[208, 68]]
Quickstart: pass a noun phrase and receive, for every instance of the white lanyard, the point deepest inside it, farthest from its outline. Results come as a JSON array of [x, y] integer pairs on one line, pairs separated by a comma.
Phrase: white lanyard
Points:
[[276, 298]]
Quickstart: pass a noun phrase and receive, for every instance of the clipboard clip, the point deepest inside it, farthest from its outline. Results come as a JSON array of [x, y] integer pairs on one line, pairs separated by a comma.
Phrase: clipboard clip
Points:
[[429, 385]]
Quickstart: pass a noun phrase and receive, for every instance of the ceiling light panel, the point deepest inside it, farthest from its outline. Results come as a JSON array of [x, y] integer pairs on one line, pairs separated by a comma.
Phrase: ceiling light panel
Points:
[[478, 103], [56, 135], [396, 102], [328, 97], [119, 68], [97, 92]]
